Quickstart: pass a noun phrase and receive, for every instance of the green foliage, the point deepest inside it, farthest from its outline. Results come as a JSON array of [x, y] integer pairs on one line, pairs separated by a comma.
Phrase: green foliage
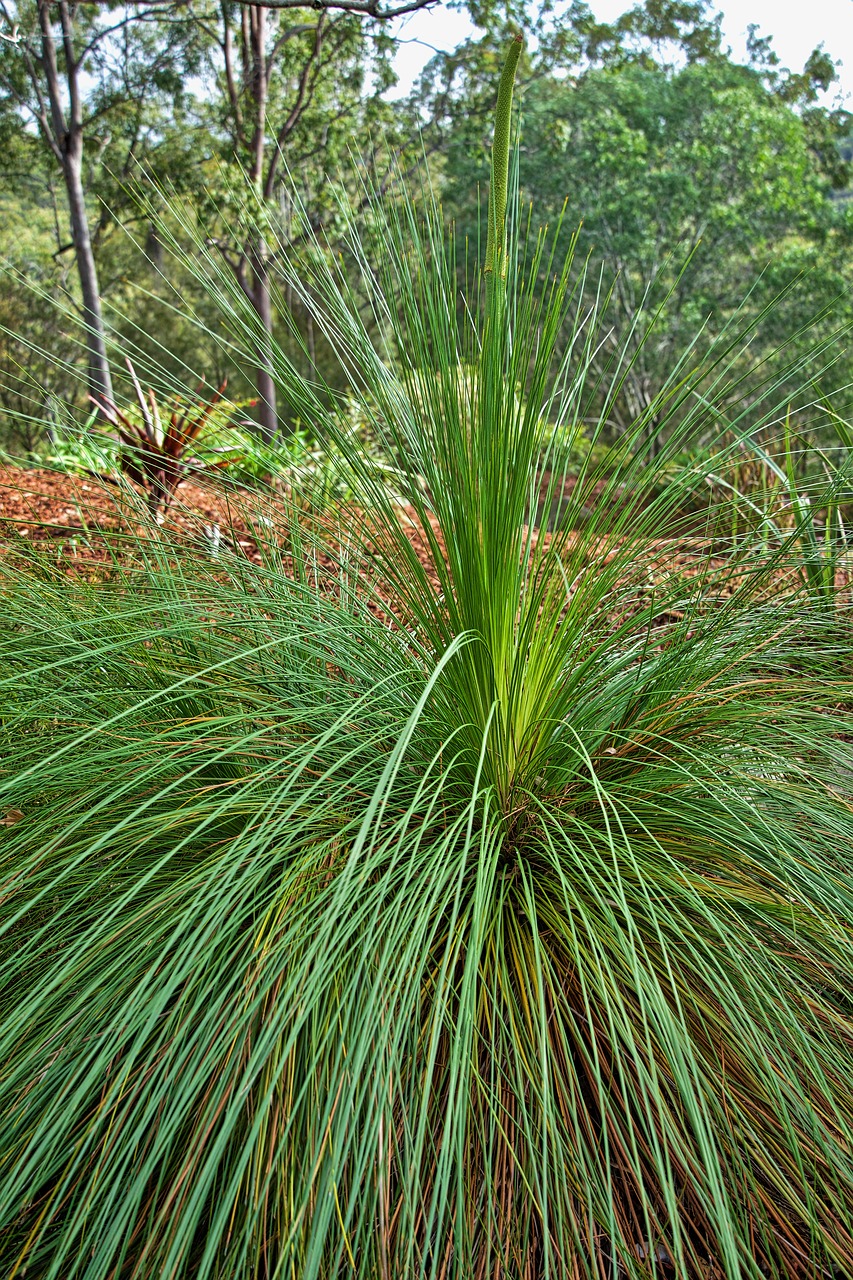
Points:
[[697, 182], [483, 918], [802, 500]]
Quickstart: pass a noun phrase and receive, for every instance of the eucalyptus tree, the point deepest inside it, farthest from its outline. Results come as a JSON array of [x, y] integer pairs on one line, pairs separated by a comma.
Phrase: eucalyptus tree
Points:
[[273, 70], [71, 71], [293, 90]]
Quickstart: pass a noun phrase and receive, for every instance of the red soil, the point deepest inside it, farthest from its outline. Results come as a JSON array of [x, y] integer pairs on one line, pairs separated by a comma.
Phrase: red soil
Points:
[[82, 524]]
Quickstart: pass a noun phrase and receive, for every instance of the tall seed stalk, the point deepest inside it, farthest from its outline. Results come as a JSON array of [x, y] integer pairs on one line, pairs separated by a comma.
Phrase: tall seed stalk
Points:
[[496, 243]]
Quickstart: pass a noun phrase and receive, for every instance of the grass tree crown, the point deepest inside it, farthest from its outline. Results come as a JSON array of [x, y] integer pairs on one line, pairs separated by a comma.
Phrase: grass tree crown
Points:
[[448, 895]]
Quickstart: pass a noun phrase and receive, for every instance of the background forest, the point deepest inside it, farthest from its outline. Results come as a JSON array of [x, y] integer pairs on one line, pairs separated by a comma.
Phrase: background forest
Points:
[[705, 187]]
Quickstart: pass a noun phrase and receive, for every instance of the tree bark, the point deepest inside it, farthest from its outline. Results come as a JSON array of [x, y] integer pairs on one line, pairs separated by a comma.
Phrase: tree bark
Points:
[[262, 303], [255, 62], [100, 381], [64, 135]]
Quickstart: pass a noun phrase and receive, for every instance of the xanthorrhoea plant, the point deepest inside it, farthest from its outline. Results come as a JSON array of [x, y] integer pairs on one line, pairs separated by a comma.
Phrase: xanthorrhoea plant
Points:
[[511, 939]]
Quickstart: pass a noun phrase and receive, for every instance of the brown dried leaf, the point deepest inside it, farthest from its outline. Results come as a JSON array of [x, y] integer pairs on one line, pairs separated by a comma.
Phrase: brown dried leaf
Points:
[[12, 816]]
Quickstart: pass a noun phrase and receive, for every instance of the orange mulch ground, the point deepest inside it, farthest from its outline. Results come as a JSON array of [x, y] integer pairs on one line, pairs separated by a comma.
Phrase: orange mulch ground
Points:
[[76, 513], [85, 526], [84, 523]]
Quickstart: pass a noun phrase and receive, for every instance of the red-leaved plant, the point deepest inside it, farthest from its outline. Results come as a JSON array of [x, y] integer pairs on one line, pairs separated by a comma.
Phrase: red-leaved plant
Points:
[[154, 455]]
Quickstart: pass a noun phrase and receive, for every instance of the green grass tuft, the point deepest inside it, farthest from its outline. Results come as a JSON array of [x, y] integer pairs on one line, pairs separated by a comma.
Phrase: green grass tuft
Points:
[[487, 920]]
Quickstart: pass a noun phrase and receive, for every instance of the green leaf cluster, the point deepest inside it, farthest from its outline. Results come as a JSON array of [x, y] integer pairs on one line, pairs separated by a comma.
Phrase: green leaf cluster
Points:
[[487, 916]]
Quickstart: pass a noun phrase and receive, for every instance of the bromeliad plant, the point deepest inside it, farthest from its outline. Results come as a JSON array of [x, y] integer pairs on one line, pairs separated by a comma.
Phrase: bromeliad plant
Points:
[[156, 441], [481, 918]]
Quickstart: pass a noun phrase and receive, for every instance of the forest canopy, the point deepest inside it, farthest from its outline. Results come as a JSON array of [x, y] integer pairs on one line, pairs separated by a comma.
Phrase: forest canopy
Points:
[[705, 188]]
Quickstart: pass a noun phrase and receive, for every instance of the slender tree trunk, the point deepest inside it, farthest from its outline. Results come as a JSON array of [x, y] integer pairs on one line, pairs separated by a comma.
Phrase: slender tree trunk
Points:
[[100, 382], [249, 105], [63, 132], [256, 69], [262, 303]]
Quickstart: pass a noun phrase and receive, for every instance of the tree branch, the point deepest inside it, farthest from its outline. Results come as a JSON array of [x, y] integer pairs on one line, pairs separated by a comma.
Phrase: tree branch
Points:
[[100, 35], [72, 66], [366, 8], [51, 71], [40, 112], [303, 97], [289, 33], [233, 97], [237, 264]]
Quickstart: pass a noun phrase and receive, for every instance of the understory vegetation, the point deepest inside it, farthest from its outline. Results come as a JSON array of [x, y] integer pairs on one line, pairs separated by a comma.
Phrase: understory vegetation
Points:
[[460, 889]]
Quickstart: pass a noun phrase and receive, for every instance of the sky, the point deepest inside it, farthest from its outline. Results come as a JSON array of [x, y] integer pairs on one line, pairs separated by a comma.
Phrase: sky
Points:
[[794, 27]]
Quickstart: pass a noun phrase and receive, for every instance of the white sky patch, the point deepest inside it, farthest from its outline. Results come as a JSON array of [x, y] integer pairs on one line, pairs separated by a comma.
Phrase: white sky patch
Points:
[[794, 28], [422, 34]]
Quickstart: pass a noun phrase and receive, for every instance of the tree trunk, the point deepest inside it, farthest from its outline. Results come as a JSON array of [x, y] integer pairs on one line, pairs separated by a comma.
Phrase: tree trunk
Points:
[[255, 30], [100, 382], [64, 135], [262, 303]]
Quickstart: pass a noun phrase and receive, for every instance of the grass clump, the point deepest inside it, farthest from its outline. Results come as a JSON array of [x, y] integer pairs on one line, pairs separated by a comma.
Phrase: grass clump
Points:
[[487, 917]]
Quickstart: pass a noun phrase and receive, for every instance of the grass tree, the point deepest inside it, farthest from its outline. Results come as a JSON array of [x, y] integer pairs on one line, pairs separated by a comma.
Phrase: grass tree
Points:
[[482, 919]]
